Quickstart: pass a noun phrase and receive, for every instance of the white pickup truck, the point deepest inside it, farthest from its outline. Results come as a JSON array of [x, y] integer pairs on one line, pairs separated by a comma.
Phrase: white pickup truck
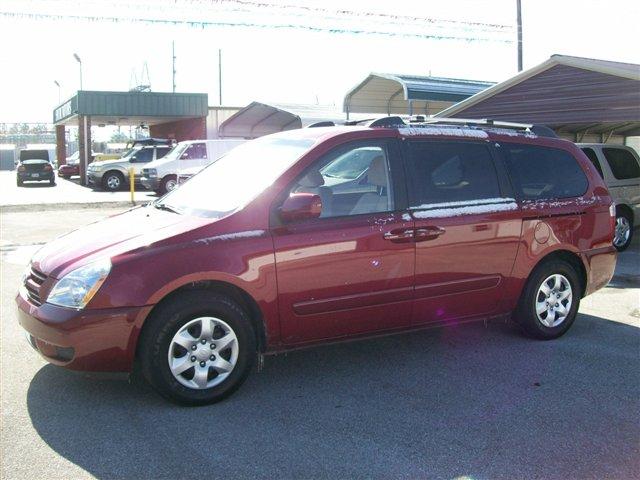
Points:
[[162, 175]]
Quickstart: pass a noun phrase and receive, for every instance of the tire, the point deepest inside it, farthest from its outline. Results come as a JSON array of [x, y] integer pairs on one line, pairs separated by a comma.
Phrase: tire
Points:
[[157, 348], [542, 326], [112, 181], [52, 181], [19, 182], [624, 230], [168, 183]]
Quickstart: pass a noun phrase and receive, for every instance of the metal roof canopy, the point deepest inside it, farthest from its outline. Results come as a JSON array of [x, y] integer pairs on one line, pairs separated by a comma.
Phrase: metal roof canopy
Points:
[[569, 94], [408, 94], [131, 108], [258, 119]]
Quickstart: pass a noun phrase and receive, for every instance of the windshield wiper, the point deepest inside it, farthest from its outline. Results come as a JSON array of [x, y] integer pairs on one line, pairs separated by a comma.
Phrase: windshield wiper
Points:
[[168, 208]]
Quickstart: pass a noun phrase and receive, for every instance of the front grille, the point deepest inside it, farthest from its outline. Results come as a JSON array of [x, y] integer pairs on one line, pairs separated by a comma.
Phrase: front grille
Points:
[[33, 283]]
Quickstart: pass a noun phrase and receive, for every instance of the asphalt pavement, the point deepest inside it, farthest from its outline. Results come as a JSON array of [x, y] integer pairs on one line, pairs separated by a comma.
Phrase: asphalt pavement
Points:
[[470, 401]]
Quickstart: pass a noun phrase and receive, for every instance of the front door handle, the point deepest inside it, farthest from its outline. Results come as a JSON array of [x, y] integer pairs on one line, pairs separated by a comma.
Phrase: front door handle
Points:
[[428, 233], [399, 235]]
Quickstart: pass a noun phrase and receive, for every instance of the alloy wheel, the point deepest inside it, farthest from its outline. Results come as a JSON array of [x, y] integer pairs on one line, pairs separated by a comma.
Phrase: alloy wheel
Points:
[[113, 182]]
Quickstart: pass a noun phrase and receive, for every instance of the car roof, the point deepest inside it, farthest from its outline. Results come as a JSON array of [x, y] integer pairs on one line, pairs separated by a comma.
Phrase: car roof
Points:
[[456, 131]]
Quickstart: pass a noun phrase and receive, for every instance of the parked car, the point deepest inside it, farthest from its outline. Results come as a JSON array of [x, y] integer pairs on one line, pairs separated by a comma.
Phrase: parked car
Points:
[[256, 255], [619, 166], [162, 175], [113, 174], [71, 166], [34, 166]]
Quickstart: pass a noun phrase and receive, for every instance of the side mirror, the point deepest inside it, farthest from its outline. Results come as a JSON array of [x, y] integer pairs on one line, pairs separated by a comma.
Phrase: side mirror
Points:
[[132, 159], [301, 206]]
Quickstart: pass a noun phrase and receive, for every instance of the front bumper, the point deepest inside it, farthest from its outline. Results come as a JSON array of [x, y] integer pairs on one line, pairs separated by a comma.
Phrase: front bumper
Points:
[[87, 340], [150, 183]]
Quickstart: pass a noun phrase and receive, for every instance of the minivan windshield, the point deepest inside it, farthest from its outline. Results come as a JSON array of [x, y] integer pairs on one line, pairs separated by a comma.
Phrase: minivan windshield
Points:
[[236, 178]]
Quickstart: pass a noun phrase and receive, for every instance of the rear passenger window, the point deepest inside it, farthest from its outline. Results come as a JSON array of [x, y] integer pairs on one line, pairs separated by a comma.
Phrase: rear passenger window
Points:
[[442, 172], [591, 154], [622, 163], [540, 173]]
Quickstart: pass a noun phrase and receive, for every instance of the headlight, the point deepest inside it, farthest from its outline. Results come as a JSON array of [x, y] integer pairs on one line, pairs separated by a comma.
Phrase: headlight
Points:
[[77, 287]]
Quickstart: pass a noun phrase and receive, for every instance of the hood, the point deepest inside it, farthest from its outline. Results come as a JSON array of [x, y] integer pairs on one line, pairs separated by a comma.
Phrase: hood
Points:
[[107, 162], [125, 232]]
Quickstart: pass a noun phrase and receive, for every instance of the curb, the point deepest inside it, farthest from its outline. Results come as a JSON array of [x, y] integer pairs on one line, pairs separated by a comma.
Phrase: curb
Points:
[[44, 207]]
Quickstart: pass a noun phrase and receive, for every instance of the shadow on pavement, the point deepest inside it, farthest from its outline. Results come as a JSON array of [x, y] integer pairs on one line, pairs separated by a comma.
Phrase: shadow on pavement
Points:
[[467, 400]]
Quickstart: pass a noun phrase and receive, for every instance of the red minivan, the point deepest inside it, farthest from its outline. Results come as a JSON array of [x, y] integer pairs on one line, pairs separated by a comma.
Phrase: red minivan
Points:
[[324, 234]]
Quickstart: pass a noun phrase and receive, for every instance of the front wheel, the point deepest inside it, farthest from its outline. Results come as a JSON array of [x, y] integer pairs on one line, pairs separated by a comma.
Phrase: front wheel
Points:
[[168, 183], [198, 348], [550, 300], [113, 181], [623, 232]]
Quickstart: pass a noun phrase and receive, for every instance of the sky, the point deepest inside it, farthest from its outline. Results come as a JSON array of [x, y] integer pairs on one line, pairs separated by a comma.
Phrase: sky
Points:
[[290, 51]]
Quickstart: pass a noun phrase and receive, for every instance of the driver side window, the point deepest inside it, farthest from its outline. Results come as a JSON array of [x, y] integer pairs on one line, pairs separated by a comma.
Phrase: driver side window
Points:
[[143, 155], [350, 181]]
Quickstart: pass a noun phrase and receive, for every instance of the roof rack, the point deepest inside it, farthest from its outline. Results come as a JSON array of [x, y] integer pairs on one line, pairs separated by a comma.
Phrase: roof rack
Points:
[[396, 121], [540, 130]]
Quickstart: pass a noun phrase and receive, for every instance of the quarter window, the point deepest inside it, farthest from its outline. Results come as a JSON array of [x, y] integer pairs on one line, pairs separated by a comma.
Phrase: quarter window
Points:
[[443, 172], [541, 173], [354, 181], [591, 154], [622, 163]]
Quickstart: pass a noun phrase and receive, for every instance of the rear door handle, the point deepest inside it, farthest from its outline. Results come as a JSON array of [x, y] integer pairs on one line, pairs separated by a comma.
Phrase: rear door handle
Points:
[[399, 235], [428, 233]]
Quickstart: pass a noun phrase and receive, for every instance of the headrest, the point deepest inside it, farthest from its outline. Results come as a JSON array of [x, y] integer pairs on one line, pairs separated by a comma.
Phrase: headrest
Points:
[[312, 179], [377, 174]]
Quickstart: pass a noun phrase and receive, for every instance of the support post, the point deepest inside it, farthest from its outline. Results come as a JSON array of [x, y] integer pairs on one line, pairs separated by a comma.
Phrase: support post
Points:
[[61, 147], [84, 144]]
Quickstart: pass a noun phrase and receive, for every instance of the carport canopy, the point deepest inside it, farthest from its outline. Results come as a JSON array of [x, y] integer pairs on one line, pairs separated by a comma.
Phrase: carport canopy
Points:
[[130, 108], [258, 119], [575, 96], [384, 93]]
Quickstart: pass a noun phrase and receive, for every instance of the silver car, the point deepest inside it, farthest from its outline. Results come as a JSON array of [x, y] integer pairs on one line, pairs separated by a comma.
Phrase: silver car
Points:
[[113, 174], [619, 166]]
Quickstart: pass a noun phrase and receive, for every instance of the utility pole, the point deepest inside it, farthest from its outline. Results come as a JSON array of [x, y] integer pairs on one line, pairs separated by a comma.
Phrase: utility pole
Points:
[[220, 75], [519, 22], [75, 55], [173, 63]]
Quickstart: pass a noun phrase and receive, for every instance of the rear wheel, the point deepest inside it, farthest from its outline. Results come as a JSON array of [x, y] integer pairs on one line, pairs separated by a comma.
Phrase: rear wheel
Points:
[[550, 300], [19, 182], [198, 348], [52, 181], [624, 231], [113, 181]]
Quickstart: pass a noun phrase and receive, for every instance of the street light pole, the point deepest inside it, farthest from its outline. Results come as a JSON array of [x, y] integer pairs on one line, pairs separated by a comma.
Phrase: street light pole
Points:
[[75, 55], [58, 85]]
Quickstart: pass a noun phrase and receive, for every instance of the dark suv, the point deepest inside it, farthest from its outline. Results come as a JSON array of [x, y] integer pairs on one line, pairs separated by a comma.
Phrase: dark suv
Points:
[[273, 247], [34, 166]]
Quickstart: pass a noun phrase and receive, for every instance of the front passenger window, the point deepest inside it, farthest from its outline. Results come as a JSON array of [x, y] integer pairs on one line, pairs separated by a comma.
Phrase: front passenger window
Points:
[[351, 182]]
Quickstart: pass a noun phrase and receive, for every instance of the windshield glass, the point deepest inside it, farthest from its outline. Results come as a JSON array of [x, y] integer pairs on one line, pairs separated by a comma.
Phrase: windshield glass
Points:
[[237, 178]]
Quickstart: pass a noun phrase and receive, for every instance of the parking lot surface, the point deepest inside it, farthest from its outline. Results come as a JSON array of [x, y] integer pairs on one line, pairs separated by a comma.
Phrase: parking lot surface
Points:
[[65, 192], [470, 401]]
